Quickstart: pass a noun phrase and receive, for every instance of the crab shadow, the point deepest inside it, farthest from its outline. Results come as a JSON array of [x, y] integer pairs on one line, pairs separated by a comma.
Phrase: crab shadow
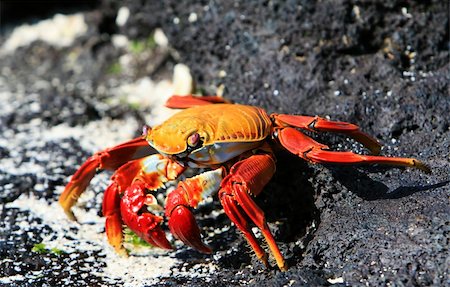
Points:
[[289, 205], [366, 188]]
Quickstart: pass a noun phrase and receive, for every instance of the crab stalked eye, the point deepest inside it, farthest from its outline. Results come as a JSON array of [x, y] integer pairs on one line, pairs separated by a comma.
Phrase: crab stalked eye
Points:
[[145, 130], [193, 140]]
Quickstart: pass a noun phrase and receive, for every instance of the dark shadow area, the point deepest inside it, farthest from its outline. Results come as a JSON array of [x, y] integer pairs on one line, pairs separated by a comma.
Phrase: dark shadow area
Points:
[[191, 256], [221, 243], [403, 191], [368, 189], [288, 202]]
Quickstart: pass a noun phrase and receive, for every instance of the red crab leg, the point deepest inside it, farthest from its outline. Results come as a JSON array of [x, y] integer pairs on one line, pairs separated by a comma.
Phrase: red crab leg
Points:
[[109, 159], [136, 203], [323, 125], [186, 196], [183, 102], [113, 222], [247, 178], [308, 149]]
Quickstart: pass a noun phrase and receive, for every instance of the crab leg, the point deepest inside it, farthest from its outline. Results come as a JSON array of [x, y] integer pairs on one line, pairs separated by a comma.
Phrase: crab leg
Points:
[[113, 222], [308, 149], [323, 125], [109, 159], [187, 195], [248, 177], [184, 102]]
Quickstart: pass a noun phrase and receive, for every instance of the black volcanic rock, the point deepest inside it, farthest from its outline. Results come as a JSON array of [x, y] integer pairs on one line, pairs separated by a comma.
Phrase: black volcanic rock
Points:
[[381, 65]]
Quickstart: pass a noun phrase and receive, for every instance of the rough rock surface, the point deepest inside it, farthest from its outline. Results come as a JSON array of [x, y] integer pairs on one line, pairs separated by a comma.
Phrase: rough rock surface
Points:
[[382, 65]]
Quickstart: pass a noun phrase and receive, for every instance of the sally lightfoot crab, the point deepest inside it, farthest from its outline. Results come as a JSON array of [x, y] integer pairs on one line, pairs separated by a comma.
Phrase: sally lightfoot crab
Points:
[[233, 142]]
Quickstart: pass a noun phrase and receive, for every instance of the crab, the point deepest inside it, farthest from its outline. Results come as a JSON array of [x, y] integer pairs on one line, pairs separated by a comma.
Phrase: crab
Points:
[[231, 145]]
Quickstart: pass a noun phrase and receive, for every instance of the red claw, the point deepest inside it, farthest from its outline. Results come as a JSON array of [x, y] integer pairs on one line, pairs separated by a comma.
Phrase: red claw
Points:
[[182, 223], [156, 236], [136, 216], [183, 226]]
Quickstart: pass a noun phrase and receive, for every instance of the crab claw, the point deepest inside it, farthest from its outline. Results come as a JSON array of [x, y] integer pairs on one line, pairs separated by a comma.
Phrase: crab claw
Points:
[[151, 231], [182, 223], [136, 216], [183, 226]]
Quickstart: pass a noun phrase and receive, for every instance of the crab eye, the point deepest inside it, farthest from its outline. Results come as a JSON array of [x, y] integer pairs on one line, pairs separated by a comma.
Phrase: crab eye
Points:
[[145, 130], [193, 140]]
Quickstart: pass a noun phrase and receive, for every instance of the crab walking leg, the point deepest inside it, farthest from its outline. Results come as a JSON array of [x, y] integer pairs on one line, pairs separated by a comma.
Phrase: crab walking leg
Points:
[[136, 204], [109, 159], [187, 195], [184, 102], [308, 149], [238, 217], [113, 222], [317, 124], [248, 177]]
